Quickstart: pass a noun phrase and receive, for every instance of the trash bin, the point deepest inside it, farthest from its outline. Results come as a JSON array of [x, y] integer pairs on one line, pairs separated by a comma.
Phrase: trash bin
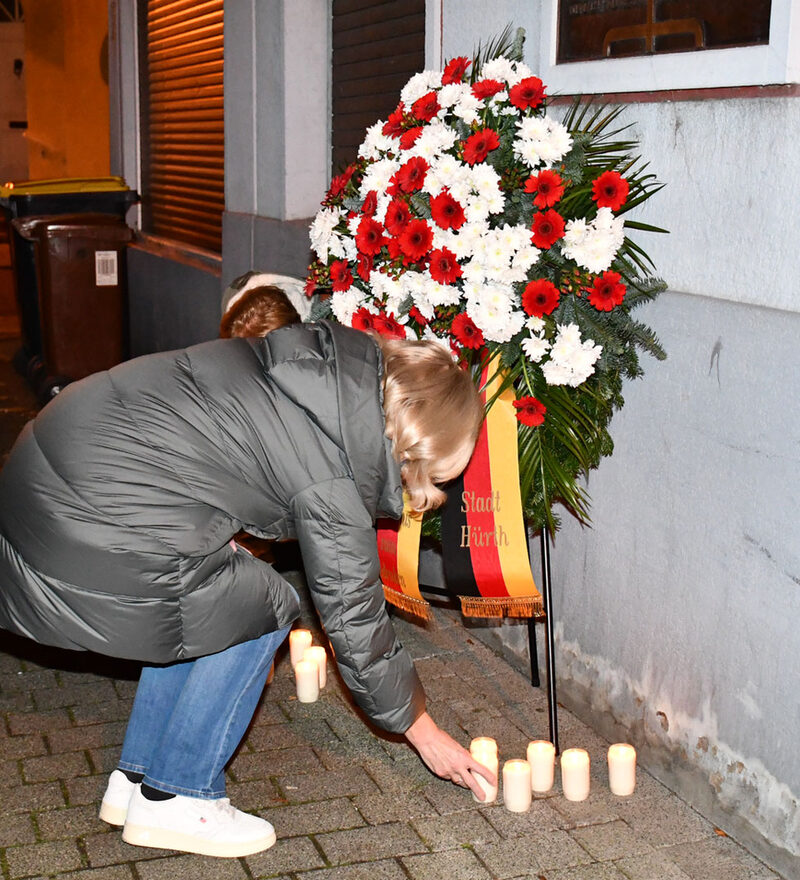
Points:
[[82, 306], [107, 195]]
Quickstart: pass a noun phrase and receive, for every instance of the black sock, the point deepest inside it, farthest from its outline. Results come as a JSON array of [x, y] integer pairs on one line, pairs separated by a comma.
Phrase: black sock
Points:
[[132, 775], [153, 794]]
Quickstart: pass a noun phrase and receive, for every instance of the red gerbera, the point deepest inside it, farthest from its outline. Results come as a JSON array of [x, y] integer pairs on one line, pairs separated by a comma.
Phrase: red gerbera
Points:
[[466, 331], [365, 262], [397, 215], [394, 124], [454, 70], [370, 203], [363, 319], [610, 190], [341, 277], [530, 411], [444, 266], [415, 314], [310, 285], [409, 177], [485, 88], [478, 146], [540, 297], [416, 239], [446, 211], [369, 238], [387, 325], [548, 186], [548, 227], [409, 137], [529, 92], [426, 107], [608, 291], [339, 183]]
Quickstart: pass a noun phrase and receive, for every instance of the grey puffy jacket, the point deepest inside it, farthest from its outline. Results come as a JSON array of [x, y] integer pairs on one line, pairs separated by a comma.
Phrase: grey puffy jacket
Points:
[[119, 500]]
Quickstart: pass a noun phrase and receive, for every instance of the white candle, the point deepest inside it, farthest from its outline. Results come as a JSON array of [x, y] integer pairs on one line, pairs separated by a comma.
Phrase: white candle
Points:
[[299, 640], [316, 654], [307, 676], [622, 769], [575, 774], [542, 758], [484, 750], [517, 785]]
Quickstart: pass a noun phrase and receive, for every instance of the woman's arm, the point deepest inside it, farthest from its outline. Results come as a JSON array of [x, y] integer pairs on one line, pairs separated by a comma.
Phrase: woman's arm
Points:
[[445, 757]]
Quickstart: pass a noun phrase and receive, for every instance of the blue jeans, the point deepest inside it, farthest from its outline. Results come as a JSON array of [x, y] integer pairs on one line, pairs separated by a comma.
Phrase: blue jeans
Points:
[[189, 717]]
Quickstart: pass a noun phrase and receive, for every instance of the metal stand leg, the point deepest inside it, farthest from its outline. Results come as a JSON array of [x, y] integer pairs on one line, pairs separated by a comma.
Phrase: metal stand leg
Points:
[[535, 679], [552, 703]]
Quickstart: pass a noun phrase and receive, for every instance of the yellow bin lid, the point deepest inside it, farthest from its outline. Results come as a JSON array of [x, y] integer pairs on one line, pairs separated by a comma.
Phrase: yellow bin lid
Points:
[[63, 185]]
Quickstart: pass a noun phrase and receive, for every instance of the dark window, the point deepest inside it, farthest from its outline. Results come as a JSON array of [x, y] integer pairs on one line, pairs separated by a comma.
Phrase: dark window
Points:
[[590, 29], [183, 135], [377, 47]]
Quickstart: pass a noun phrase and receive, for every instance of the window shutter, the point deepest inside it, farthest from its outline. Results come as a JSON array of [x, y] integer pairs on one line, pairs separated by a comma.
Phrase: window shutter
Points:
[[183, 145], [377, 47]]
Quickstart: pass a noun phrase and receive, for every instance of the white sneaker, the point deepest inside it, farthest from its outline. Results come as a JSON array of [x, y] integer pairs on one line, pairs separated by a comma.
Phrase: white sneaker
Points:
[[114, 807], [196, 825]]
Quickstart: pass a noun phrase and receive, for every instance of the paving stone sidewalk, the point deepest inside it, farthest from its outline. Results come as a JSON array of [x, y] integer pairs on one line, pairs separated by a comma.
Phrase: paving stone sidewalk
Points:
[[347, 802]]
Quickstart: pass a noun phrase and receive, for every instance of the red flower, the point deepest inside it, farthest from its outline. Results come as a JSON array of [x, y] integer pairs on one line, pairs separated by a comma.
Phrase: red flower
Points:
[[530, 411], [485, 88], [409, 177], [387, 325], [607, 292], [454, 70], [548, 227], [444, 266], [415, 314], [409, 137], [446, 211], [610, 190], [527, 93], [478, 146], [394, 124], [310, 285], [426, 107], [341, 277], [363, 319], [339, 183], [466, 331], [370, 203], [369, 238], [416, 239], [548, 186], [365, 262], [540, 297], [397, 215]]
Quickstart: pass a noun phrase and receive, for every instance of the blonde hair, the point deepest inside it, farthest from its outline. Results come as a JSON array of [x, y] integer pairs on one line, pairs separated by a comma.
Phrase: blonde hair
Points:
[[257, 311], [433, 415]]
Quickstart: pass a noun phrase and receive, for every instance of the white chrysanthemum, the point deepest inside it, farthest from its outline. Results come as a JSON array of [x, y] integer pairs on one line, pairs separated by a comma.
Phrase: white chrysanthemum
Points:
[[535, 324], [467, 108], [420, 84], [494, 314], [344, 303], [476, 210], [322, 229], [444, 238], [350, 249], [495, 202], [436, 138], [375, 143], [468, 239], [384, 200], [484, 179], [521, 71], [499, 68], [535, 348], [526, 256], [542, 140], [336, 245], [473, 272], [571, 360], [440, 294], [446, 172], [593, 245], [452, 94], [385, 288], [377, 176], [430, 336], [353, 223]]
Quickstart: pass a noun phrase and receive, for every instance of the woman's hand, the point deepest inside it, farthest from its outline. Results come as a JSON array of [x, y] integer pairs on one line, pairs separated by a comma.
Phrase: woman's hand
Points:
[[445, 757]]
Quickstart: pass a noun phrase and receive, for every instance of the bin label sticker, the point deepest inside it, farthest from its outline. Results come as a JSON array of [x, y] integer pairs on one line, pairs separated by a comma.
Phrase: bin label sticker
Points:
[[105, 269]]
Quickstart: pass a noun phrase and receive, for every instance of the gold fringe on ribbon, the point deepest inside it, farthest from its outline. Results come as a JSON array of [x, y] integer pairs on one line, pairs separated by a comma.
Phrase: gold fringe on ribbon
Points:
[[502, 606], [417, 607]]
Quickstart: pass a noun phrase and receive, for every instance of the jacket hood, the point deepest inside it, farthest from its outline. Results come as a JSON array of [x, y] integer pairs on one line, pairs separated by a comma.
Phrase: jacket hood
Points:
[[334, 373]]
